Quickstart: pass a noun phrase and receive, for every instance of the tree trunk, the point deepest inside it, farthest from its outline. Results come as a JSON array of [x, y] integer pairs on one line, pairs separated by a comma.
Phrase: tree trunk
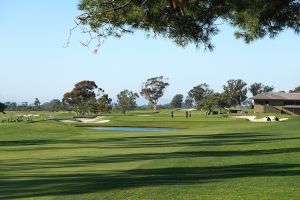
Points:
[[209, 111], [154, 107]]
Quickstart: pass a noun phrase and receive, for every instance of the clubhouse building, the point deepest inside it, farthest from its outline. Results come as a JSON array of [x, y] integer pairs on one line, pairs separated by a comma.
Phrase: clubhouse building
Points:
[[272, 102]]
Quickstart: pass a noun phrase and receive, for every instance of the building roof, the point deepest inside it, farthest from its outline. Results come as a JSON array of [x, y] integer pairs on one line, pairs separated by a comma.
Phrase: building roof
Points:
[[291, 106], [277, 96]]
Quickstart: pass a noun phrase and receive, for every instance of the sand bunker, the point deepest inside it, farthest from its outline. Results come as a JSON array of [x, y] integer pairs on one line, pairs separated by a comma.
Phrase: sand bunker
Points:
[[31, 115], [89, 120], [253, 118], [189, 109], [67, 121], [101, 121], [98, 119]]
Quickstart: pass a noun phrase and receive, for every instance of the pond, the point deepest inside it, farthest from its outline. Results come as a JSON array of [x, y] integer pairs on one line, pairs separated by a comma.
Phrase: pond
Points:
[[132, 129]]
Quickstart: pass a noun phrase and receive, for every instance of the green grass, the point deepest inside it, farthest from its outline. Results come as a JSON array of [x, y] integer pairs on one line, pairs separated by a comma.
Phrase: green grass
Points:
[[208, 158]]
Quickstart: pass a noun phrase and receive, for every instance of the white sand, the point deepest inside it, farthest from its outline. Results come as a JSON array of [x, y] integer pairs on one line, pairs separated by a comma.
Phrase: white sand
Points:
[[101, 121], [253, 118], [243, 117], [189, 109], [98, 119], [89, 120], [67, 121], [31, 115]]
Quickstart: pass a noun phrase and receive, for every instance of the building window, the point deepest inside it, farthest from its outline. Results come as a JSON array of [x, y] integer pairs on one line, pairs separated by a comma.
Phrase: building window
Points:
[[257, 102]]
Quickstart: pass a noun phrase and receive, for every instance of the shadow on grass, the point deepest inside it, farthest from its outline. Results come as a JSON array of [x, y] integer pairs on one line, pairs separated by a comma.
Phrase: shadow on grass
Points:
[[142, 141], [38, 185], [181, 154], [32, 183], [84, 161]]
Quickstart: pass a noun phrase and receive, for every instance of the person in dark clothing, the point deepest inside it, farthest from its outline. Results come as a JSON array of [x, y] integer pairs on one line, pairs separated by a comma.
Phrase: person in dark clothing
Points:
[[269, 119], [186, 114], [276, 119], [172, 114]]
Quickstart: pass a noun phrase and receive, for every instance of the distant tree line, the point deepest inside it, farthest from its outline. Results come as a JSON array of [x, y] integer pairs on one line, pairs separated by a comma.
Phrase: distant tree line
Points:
[[296, 90], [2, 107], [87, 98], [52, 106], [234, 94]]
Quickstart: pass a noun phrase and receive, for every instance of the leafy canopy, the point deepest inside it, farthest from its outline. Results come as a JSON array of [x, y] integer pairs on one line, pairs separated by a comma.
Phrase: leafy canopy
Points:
[[198, 92], [37, 102], [55, 105], [188, 21], [296, 90], [81, 94], [104, 104], [2, 107], [177, 101], [188, 102], [210, 102], [127, 100], [235, 91], [257, 88], [153, 89]]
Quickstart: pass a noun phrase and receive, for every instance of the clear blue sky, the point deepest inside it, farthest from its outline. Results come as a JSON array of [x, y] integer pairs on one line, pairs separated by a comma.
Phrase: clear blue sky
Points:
[[34, 63]]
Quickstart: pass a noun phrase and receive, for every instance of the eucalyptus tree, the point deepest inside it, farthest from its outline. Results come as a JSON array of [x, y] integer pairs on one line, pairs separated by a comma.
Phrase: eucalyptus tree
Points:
[[153, 89], [296, 90], [2, 107], [235, 91], [188, 102], [37, 103], [257, 88], [210, 102], [127, 100], [55, 105], [80, 95], [177, 101], [104, 104], [198, 92]]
